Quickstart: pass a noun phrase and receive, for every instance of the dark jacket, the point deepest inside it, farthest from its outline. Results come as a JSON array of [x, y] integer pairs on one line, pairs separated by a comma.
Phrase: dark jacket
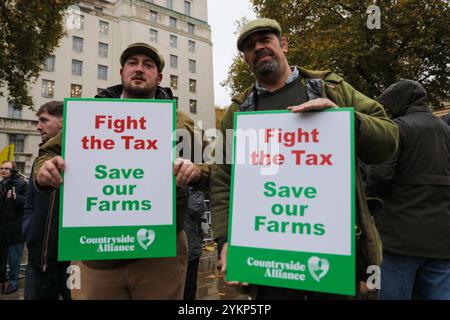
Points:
[[53, 148], [193, 222], [40, 226], [11, 210], [447, 119], [415, 183]]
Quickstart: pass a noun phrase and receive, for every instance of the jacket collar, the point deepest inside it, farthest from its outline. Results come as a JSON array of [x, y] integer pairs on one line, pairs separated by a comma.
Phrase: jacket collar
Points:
[[116, 92]]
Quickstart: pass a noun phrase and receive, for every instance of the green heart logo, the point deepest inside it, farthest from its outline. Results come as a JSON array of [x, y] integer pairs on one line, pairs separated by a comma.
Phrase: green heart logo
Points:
[[318, 267], [145, 238]]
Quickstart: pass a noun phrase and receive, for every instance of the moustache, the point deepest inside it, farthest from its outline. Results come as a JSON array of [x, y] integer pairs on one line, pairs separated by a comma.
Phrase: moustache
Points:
[[262, 54], [138, 77]]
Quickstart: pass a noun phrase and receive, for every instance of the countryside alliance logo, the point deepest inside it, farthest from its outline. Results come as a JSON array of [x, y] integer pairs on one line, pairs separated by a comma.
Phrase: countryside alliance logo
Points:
[[145, 238], [318, 267]]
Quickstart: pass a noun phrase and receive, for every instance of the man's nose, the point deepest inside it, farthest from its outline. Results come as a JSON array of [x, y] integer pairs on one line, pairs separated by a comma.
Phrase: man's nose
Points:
[[140, 67], [259, 46]]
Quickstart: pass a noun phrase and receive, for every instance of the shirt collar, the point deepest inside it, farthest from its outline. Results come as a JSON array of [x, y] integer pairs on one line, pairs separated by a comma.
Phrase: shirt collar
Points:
[[294, 75]]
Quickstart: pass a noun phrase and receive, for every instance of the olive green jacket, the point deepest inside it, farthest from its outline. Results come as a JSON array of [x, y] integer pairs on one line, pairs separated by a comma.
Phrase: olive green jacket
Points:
[[376, 140]]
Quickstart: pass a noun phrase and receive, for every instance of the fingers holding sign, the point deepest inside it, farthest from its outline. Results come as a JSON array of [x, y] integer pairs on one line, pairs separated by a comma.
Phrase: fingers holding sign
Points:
[[49, 174], [222, 266], [186, 172], [315, 104]]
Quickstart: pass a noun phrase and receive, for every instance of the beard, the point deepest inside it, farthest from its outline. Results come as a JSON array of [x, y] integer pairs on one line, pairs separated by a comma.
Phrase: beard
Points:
[[265, 68], [138, 92]]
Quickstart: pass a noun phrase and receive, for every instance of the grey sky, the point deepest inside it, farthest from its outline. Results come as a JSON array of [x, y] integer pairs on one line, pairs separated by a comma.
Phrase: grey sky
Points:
[[222, 15]]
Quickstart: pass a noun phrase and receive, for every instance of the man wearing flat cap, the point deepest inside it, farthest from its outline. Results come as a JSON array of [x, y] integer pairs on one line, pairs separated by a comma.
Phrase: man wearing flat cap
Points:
[[280, 86], [155, 278]]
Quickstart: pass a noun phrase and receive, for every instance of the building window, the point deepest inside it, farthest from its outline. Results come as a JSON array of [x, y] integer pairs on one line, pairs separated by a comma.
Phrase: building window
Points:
[[75, 90], [187, 8], [191, 28], [103, 50], [173, 22], [173, 61], [103, 27], [18, 140], [153, 16], [193, 85], [192, 66], [77, 67], [49, 64], [173, 41], [154, 35], [173, 82], [170, 4], [102, 72], [193, 106], [77, 44], [48, 87], [20, 166], [14, 112], [191, 45]]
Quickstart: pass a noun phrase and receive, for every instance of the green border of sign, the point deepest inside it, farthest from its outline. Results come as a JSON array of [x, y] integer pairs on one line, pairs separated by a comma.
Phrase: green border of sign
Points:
[[164, 244], [339, 280]]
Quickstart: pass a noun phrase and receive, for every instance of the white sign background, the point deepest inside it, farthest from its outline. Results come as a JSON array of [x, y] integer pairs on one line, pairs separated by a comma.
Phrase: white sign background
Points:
[[79, 176], [331, 206]]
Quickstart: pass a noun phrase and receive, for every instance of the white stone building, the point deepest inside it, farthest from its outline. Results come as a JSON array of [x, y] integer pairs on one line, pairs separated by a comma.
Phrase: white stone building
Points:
[[87, 59]]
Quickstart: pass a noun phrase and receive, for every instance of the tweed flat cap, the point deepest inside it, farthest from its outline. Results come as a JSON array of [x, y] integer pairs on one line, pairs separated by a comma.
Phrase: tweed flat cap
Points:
[[257, 25], [143, 48]]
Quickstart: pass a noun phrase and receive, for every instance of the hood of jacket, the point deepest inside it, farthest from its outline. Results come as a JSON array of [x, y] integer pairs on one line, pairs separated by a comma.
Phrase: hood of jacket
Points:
[[403, 97], [161, 93]]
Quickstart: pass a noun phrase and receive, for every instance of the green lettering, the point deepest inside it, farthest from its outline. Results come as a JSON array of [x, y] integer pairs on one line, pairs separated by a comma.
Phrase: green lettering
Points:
[[310, 192], [138, 173], [104, 206], [115, 203], [273, 226], [114, 173], [146, 205], [268, 186], [130, 205], [259, 221], [91, 201], [284, 224], [319, 229], [101, 173], [284, 192], [277, 209], [301, 228]]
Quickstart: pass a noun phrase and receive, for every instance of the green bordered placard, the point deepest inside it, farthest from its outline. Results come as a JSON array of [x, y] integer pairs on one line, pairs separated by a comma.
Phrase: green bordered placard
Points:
[[118, 198], [292, 208]]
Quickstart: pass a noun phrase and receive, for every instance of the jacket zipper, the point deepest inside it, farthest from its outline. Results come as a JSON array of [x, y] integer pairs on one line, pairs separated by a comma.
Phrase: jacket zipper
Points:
[[47, 233]]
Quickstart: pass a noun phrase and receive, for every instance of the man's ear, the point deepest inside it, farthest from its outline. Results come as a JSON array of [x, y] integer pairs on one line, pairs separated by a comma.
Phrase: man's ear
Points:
[[160, 77], [121, 71], [284, 44]]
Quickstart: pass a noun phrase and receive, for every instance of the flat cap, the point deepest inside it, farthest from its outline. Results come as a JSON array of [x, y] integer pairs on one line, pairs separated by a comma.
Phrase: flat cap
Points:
[[257, 25], [145, 49]]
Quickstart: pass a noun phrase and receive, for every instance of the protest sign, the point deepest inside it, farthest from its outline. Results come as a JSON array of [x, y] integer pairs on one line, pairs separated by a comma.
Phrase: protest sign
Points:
[[292, 210], [118, 196]]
